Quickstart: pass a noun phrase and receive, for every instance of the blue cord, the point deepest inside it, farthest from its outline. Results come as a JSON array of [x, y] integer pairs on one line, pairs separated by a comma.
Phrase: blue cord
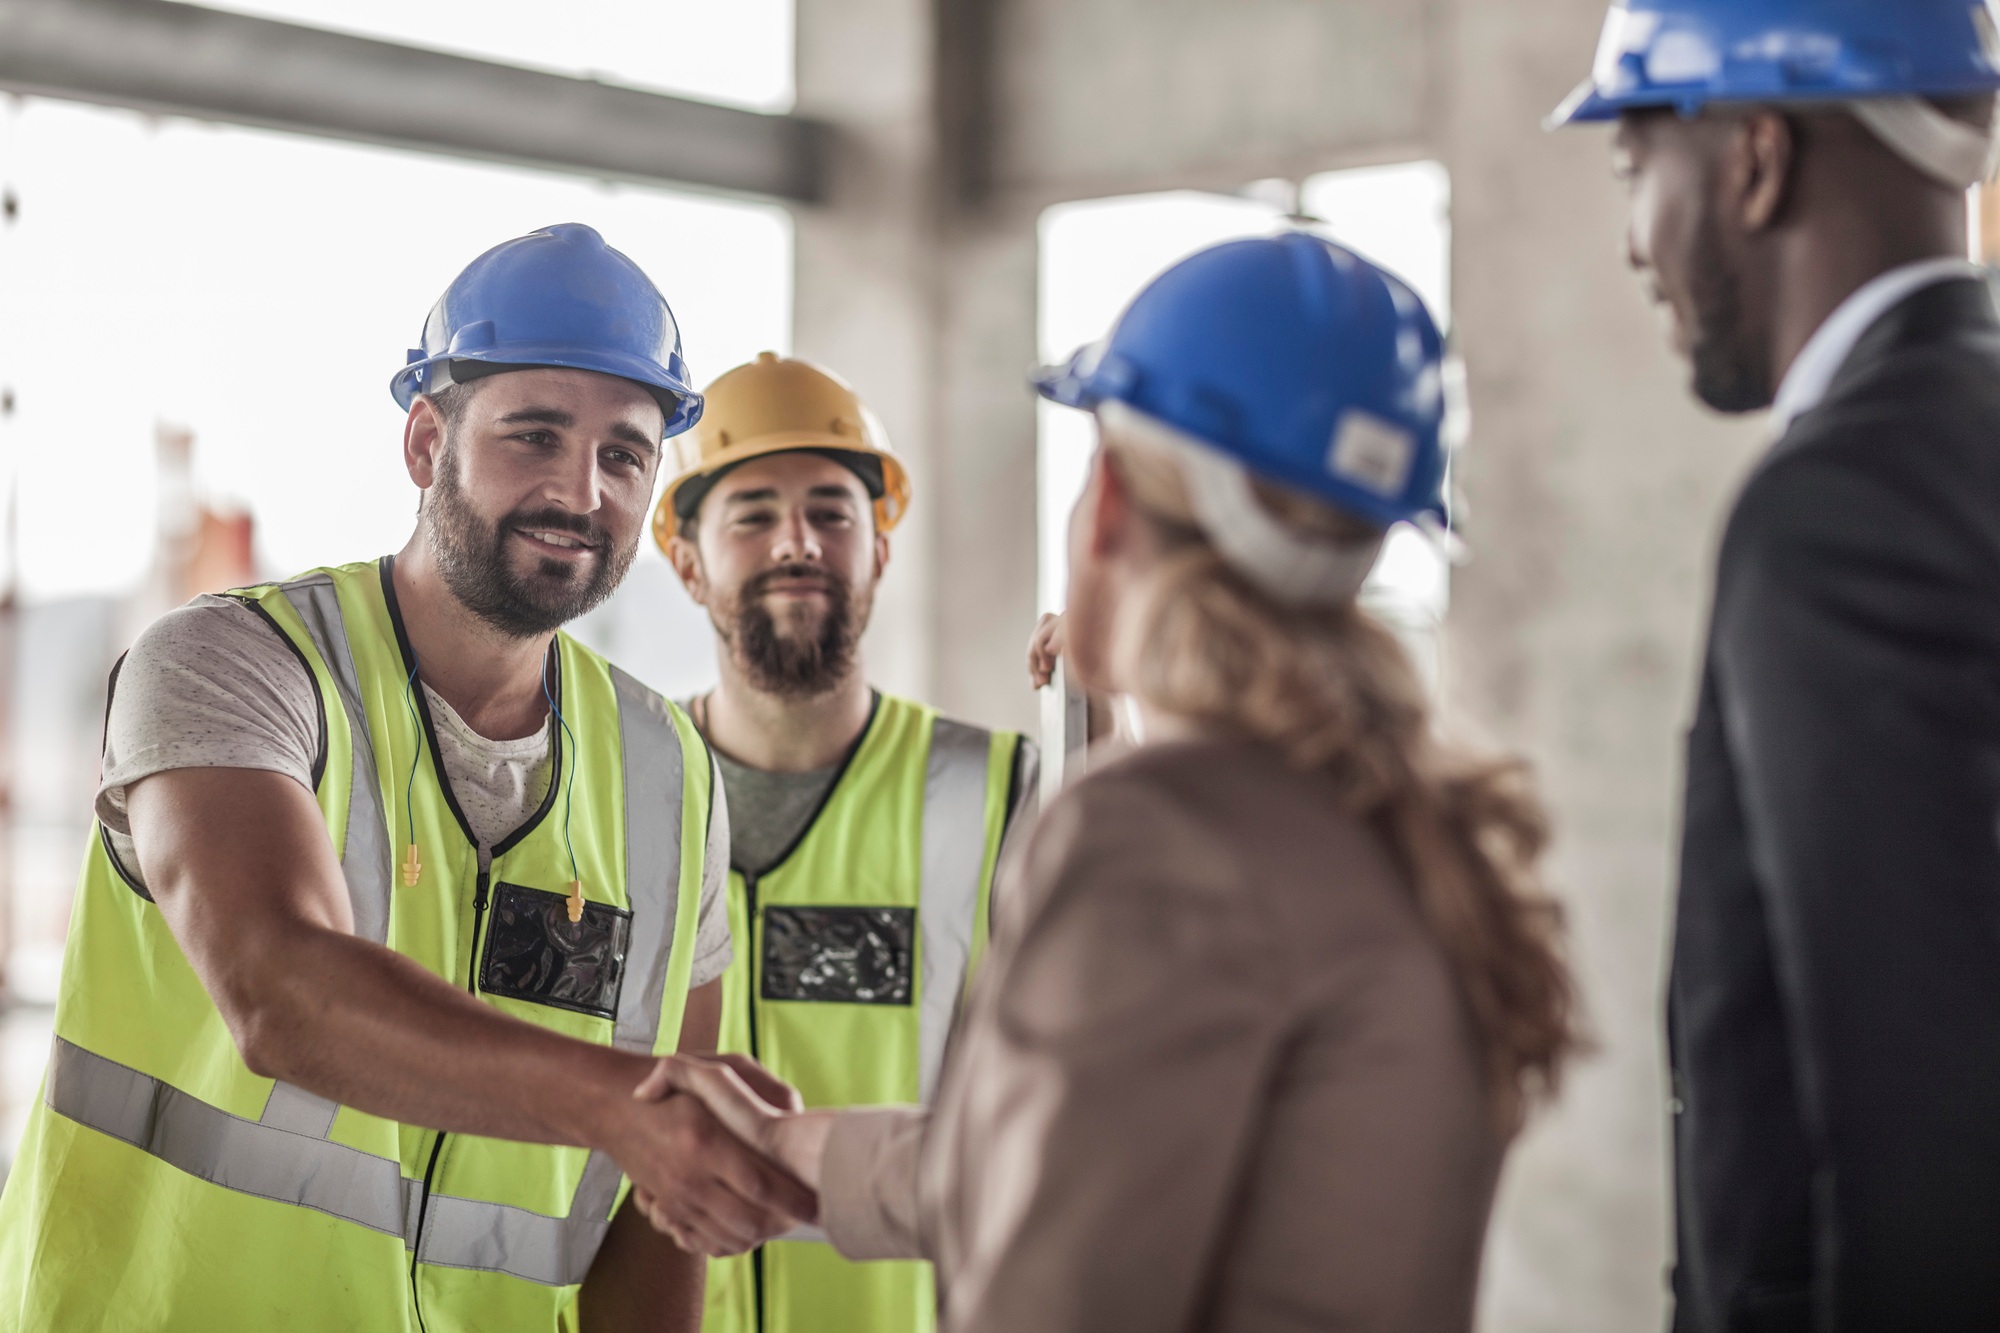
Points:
[[569, 791], [417, 725], [569, 788]]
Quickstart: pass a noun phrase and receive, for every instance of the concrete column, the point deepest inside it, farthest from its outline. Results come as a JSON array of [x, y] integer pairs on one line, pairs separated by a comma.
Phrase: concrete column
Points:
[[985, 484], [866, 302], [1594, 487], [930, 310]]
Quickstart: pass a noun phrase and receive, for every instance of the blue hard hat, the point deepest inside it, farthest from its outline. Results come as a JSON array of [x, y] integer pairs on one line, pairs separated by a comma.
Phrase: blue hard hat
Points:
[[1301, 360], [558, 297], [1687, 53]]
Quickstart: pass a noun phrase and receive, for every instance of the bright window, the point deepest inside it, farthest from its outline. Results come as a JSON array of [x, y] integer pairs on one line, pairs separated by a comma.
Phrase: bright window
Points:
[[168, 279], [260, 289], [256, 291]]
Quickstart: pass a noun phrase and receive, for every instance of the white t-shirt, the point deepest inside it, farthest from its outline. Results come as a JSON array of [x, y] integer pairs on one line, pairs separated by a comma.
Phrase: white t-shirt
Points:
[[211, 685]]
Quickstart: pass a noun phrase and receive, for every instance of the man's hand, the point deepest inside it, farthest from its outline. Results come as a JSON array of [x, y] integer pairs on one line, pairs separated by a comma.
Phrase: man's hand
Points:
[[759, 1117], [709, 1191]]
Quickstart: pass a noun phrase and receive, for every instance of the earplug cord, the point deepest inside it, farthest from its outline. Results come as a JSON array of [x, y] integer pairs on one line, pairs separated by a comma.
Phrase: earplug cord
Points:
[[416, 757], [411, 865], [569, 786]]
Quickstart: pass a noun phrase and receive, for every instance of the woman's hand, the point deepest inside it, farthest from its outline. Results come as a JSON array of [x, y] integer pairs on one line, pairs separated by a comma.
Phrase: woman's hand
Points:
[[1045, 648], [753, 1104]]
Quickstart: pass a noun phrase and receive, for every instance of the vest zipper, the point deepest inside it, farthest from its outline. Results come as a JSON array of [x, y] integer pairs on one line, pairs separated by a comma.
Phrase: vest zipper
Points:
[[750, 917], [478, 921], [479, 887], [750, 1005]]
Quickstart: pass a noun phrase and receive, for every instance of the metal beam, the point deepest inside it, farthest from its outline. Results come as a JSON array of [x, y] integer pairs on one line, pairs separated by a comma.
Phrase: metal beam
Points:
[[182, 60]]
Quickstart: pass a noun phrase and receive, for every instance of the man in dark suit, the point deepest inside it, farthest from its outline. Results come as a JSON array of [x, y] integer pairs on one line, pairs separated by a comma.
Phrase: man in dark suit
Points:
[[1834, 1004]]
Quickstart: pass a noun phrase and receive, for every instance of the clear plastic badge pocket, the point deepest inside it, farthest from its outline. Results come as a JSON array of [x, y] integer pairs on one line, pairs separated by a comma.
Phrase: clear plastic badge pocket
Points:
[[534, 952], [840, 955]]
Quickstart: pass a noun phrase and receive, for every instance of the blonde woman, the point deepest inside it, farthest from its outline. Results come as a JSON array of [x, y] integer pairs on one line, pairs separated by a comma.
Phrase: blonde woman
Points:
[[1271, 993]]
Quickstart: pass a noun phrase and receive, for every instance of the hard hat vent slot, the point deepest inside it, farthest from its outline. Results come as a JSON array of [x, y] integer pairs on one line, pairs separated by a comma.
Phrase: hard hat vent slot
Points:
[[474, 337]]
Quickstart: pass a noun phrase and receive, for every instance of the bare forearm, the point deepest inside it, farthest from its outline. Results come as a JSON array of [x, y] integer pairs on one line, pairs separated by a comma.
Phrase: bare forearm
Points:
[[371, 1029], [265, 923]]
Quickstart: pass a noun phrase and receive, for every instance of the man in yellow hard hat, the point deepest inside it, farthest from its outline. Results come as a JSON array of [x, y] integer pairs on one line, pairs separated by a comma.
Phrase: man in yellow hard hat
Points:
[[864, 828]]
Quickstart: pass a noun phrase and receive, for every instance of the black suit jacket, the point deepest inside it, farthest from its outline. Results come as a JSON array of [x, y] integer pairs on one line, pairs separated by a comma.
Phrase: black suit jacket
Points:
[[1834, 1004]]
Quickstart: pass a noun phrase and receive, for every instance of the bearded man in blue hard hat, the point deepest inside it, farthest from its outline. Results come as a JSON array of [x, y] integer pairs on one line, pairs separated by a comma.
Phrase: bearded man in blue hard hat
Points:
[[1798, 173], [396, 890]]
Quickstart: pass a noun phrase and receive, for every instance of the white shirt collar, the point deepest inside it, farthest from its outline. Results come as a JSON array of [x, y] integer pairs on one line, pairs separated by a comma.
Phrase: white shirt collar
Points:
[[1813, 371]]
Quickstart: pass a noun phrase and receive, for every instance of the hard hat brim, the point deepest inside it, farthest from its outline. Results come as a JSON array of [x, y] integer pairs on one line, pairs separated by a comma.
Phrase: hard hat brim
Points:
[[678, 399], [890, 506], [1589, 105], [1585, 105]]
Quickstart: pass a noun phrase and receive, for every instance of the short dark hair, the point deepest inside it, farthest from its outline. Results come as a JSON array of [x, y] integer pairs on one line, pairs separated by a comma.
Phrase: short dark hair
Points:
[[451, 401]]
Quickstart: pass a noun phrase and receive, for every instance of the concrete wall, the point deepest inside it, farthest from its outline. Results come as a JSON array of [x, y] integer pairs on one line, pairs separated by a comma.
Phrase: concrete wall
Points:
[[864, 289], [1592, 485], [1105, 96]]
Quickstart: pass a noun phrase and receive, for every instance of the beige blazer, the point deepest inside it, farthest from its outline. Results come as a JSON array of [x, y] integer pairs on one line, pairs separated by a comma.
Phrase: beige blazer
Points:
[[1214, 1075]]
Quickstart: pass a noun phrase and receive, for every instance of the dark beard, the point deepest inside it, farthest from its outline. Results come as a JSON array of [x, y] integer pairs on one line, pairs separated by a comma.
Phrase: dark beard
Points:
[[472, 556], [1732, 369], [794, 666]]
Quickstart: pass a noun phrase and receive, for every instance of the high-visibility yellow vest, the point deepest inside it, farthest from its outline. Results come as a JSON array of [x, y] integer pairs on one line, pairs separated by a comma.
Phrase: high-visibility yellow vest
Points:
[[852, 954], [163, 1186]]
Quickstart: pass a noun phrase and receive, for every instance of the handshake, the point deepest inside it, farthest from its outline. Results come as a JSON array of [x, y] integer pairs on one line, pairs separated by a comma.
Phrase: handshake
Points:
[[721, 1153]]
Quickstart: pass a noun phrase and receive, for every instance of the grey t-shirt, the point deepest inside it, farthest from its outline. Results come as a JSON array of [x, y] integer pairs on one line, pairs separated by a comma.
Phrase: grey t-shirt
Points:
[[770, 812], [211, 685]]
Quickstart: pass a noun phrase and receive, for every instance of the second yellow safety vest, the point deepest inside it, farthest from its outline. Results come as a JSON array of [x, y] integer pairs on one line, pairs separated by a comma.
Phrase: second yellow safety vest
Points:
[[163, 1186], [851, 956]]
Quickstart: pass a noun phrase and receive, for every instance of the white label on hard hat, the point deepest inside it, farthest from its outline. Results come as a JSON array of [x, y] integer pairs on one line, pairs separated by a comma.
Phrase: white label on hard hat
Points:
[[1682, 57], [1624, 32], [1372, 454]]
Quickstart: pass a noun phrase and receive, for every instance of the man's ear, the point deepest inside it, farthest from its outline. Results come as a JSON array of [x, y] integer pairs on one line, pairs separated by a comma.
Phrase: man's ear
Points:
[[685, 557], [423, 442], [1765, 147]]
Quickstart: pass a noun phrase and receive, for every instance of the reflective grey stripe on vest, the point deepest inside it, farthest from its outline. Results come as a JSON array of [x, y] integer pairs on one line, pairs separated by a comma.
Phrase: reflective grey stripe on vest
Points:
[[286, 1157], [557, 1251], [954, 856], [365, 859], [653, 793], [221, 1148]]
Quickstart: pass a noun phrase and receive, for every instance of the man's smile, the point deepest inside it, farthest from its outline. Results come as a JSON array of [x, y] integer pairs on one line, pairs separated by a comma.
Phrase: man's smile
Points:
[[562, 545]]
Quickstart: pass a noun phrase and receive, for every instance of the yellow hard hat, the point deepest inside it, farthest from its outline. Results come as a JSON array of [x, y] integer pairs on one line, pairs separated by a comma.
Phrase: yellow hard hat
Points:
[[773, 405]]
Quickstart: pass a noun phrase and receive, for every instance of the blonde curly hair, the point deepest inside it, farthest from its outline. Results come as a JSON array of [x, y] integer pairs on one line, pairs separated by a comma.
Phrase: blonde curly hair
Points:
[[1333, 689]]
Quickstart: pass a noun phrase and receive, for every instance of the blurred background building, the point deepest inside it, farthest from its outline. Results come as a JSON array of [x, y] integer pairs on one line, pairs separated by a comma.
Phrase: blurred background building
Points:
[[220, 227]]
